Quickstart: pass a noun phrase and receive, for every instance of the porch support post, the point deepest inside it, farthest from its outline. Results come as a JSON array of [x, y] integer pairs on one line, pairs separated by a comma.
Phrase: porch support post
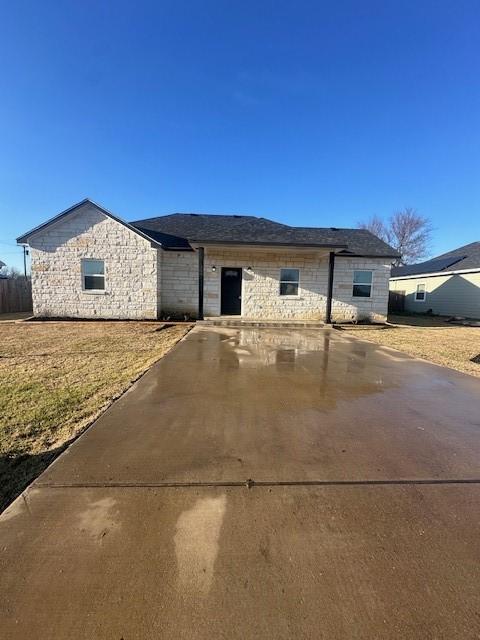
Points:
[[331, 266], [201, 260]]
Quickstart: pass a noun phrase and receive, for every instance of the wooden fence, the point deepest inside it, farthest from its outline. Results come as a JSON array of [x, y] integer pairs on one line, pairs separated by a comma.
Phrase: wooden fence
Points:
[[15, 295], [396, 302]]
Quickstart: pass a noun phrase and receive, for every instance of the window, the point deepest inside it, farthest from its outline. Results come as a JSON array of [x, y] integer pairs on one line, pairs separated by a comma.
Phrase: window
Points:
[[289, 279], [93, 275], [420, 293], [362, 284]]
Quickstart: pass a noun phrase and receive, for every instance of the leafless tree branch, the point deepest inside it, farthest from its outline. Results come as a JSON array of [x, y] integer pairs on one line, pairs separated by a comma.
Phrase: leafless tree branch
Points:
[[406, 231]]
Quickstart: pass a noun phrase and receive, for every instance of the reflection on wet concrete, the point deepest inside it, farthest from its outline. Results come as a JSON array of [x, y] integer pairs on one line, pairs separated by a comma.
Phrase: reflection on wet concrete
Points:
[[288, 560], [307, 353], [285, 357], [281, 404]]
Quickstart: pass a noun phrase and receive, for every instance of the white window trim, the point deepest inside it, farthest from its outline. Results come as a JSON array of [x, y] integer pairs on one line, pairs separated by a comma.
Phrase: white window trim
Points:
[[424, 292], [370, 284], [93, 291], [293, 296]]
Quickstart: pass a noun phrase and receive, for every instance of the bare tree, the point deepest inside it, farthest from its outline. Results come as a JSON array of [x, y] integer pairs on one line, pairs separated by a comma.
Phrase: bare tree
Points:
[[10, 272], [406, 231], [376, 226]]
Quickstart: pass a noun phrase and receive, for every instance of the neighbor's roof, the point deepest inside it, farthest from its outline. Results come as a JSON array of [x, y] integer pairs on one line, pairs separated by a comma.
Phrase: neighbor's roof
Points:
[[466, 257], [180, 230]]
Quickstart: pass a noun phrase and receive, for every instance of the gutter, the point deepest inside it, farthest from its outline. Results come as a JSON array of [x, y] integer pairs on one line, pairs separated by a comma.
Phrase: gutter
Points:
[[366, 255], [206, 243]]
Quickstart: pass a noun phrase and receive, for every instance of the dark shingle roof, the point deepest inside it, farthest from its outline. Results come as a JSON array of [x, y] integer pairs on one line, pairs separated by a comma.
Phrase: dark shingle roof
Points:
[[178, 230], [466, 257], [181, 230]]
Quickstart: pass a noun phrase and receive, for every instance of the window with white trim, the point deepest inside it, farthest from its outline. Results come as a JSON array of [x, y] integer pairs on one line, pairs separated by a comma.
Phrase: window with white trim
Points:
[[420, 293], [93, 274], [289, 280], [362, 284]]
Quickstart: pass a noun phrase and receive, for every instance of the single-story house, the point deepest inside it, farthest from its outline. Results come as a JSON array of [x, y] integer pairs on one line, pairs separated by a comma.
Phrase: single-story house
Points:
[[446, 285], [88, 263]]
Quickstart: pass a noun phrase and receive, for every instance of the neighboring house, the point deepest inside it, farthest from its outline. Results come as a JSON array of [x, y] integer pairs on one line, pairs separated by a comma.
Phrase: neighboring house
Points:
[[87, 263], [446, 285]]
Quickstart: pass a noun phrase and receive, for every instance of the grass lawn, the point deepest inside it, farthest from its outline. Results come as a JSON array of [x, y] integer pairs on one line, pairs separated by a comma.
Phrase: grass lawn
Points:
[[429, 337], [56, 378]]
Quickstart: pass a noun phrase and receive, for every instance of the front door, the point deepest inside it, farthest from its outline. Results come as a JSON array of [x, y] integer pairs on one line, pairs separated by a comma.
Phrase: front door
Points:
[[231, 291]]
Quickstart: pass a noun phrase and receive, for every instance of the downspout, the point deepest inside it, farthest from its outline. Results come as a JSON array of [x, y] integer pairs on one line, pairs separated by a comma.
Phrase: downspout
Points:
[[201, 260], [331, 265]]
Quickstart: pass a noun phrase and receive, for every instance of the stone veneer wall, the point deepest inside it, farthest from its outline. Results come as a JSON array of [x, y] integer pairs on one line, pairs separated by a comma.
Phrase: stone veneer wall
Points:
[[144, 282], [260, 295], [344, 306], [131, 269], [179, 283]]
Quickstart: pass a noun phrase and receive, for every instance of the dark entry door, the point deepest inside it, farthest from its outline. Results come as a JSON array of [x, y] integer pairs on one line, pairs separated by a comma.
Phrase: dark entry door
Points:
[[231, 291]]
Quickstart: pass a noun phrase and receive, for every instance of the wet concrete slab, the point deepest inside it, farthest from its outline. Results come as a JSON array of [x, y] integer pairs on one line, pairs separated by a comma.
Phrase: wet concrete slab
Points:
[[90, 551], [285, 405], [389, 562]]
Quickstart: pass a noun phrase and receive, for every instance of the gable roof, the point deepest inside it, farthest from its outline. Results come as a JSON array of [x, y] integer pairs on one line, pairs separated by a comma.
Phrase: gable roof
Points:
[[180, 230], [23, 239], [466, 257]]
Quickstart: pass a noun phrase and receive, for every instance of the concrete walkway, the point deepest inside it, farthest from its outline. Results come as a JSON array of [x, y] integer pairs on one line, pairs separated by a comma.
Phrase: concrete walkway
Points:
[[259, 483]]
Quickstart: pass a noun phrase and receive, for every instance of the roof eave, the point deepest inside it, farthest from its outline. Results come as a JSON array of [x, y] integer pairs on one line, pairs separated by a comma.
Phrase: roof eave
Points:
[[433, 274], [386, 256], [266, 244]]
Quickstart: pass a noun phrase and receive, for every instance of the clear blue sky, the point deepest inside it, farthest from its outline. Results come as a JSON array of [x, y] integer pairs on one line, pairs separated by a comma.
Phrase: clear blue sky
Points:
[[311, 113]]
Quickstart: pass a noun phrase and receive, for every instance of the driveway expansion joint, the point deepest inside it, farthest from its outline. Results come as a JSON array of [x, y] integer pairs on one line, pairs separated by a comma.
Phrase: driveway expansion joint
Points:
[[254, 483]]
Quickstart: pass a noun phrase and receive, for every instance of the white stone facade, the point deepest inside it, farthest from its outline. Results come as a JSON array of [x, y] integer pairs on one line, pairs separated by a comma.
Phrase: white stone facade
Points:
[[179, 283], [131, 269], [143, 281], [346, 307], [261, 297]]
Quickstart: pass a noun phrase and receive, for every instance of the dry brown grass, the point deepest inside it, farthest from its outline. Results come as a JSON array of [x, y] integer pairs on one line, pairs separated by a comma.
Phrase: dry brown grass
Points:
[[430, 338], [56, 378]]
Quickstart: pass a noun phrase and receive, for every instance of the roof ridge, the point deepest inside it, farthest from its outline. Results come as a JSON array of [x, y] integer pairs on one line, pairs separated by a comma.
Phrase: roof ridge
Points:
[[194, 213]]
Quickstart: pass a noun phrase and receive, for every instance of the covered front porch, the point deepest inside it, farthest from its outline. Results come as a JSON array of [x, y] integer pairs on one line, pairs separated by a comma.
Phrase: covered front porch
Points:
[[266, 283]]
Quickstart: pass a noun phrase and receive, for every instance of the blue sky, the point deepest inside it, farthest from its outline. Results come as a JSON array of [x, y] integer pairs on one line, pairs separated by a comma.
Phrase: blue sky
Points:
[[311, 113]]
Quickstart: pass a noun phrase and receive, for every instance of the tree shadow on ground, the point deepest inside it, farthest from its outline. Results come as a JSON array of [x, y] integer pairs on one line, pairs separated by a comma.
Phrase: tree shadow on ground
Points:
[[18, 471], [420, 320]]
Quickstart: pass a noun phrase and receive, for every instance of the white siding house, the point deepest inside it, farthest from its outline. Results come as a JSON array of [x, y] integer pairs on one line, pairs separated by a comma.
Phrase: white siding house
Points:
[[446, 285]]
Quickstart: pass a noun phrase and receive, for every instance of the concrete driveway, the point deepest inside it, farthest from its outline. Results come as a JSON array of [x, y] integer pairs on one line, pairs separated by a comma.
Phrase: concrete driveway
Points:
[[266, 483]]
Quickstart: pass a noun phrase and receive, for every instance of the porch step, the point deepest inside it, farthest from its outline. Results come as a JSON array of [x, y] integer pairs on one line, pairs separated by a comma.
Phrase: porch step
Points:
[[239, 322]]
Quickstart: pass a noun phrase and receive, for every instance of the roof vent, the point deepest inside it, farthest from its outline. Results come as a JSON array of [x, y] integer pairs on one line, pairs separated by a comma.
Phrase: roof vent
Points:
[[334, 228], [194, 214]]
